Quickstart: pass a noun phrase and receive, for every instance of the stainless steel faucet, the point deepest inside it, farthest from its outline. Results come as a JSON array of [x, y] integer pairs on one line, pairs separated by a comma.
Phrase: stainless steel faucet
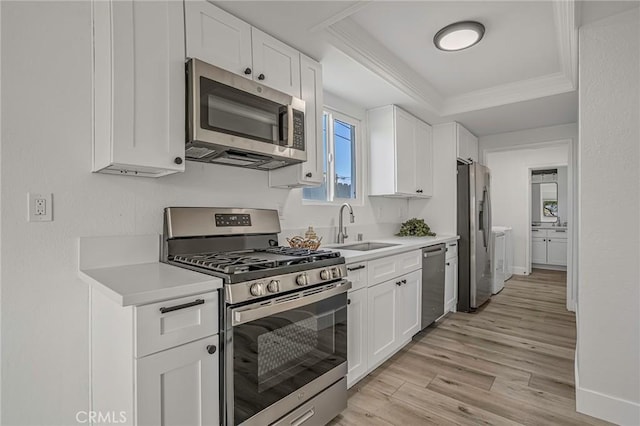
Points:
[[342, 230]]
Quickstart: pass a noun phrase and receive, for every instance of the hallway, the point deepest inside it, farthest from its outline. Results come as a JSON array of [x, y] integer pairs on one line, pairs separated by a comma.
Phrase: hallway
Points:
[[509, 363]]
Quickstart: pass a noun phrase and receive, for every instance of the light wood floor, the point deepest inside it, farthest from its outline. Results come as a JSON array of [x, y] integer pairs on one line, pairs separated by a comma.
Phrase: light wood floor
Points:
[[509, 363]]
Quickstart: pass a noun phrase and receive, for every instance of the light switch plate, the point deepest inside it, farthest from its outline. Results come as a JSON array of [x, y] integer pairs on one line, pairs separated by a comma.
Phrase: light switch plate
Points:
[[40, 207]]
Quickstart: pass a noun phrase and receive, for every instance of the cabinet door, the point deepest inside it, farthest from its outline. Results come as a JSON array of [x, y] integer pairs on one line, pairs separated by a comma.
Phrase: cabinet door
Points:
[[405, 128], [381, 312], [557, 251], [424, 159], [356, 335], [275, 64], [139, 88], [309, 173], [217, 37], [179, 386], [538, 250], [467, 144], [408, 305], [449, 284]]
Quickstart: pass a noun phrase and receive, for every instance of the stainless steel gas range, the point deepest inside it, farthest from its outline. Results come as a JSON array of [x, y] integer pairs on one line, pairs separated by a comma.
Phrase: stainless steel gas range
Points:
[[284, 314]]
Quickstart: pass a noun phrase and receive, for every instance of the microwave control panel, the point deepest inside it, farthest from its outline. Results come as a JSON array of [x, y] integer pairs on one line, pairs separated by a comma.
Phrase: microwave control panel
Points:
[[298, 130]]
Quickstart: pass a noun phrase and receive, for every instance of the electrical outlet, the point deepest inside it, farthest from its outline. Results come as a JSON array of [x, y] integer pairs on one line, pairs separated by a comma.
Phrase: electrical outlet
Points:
[[40, 207]]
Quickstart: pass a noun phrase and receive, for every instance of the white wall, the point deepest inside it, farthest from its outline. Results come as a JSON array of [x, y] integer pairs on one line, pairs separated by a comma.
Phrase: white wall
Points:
[[46, 147], [608, 338], [510, 171]]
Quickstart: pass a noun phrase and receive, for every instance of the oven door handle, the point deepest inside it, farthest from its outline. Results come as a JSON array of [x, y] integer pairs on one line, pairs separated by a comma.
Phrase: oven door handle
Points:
[[247, 314]]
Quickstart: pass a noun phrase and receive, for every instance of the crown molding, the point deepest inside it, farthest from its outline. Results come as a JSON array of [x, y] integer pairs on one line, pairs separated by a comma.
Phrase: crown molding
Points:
[[523, 90], [354, 41], [349, 37], [564, 14], [343, 14]]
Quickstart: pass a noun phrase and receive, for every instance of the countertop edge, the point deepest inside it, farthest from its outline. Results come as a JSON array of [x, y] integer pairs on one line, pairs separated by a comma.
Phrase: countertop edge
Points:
[[414, 243]]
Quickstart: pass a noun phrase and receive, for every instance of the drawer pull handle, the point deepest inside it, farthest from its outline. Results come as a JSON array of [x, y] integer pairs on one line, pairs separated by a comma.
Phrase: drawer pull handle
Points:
[[211, 349], [183, 306], [355, 268], [560, 231]]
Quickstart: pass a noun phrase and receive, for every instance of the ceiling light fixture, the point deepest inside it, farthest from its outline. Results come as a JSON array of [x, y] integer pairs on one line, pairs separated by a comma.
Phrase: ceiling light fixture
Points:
[[459, 35]]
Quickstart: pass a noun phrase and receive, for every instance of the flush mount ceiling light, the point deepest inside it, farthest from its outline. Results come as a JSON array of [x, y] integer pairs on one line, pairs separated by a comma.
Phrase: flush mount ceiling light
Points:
[[459, 35]]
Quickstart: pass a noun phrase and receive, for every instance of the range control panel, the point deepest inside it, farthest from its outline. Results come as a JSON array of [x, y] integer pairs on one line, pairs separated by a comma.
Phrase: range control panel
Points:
[[225, 219]]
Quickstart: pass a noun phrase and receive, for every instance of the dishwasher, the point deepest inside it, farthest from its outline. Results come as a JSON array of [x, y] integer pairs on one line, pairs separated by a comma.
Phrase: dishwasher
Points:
[[432, 284]]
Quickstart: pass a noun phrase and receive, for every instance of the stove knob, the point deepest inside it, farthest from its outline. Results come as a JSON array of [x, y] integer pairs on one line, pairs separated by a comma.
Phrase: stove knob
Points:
[[324, 274], [273, 286], [337, 273], [257, 289], [302, 279]]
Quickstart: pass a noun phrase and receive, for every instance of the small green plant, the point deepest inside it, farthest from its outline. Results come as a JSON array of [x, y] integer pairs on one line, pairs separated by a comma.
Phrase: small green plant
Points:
[[415, 228]]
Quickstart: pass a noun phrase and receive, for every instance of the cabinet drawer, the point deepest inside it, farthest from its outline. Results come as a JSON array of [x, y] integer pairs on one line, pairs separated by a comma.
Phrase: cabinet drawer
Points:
[[560, 234], [387, 268], [357, 274], [174, 322], [541, 233], [452, 250]]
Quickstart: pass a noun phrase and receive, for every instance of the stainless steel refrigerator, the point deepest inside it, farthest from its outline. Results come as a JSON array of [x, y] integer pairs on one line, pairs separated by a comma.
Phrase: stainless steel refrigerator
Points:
[[475, 272]]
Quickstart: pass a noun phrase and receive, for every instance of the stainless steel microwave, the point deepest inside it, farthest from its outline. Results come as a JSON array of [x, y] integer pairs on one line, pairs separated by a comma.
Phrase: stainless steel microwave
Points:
[[236, 121]]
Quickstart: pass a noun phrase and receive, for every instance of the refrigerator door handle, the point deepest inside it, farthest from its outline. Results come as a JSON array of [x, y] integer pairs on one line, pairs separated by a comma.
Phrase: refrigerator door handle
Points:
[[485, 216]]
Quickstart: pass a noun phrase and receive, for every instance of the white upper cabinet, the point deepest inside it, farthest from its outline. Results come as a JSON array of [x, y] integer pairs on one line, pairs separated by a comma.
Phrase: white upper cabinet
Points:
[[465, 142], [138, 87], [225, 41], [310, 172], [217, 37], [401, 153]]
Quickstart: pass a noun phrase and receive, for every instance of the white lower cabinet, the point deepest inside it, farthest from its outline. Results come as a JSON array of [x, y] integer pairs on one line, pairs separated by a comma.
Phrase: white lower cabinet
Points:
[[357, 335], [549, 247], [451, 284], [409, 305], [382, 322], [179, 386], [557, 251], [538, 250], [174, 382]]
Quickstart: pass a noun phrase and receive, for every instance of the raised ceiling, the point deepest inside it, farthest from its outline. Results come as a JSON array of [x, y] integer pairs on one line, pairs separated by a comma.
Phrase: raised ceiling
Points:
[[522, 74]]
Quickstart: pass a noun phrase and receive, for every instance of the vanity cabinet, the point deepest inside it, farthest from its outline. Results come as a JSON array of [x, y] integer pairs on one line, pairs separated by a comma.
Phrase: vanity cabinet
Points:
[[157, 363], [309, 173], [225, 41], [401, 154], [465, 142], [549, 247], [138, 87], [451, 277]]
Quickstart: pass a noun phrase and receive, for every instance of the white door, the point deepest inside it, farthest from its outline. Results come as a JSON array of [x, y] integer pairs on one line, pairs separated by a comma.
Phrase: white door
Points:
[[538, 250], [179, 386], [356, 335], [381, 312], [405, 152], [311, 93], [148, 84], [275, 64], [557, 251], [424, 159], [409, 305], [217, 37]]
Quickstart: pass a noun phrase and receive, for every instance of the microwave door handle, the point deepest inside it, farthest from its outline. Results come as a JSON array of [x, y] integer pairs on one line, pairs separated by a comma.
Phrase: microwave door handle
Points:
[[289, 125]]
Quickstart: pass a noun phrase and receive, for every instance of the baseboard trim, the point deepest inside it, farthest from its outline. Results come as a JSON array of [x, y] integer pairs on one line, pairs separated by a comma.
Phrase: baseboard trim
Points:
[[549, 267], [606, 407], [519, 270]]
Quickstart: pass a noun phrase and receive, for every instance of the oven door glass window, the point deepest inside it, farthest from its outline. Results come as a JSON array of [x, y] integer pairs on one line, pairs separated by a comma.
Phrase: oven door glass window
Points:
[[276, 355], [235, 112]]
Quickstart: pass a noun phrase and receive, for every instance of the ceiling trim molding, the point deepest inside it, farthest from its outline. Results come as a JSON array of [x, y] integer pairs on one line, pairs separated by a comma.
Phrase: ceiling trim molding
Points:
[[349, 37], [353, 40], [343, 14], [523, 90], [564, 14]]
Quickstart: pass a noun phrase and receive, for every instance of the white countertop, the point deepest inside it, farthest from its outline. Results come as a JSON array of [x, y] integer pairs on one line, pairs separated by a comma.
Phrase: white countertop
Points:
[[126, 269], [144, 283], [404, 244]]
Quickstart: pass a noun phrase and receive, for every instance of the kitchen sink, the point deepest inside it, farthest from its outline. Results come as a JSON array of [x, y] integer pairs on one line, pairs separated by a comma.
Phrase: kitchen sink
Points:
[[367, 246]]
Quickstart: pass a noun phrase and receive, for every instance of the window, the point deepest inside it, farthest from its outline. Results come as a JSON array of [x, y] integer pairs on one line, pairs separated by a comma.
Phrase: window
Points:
[[340, 148]]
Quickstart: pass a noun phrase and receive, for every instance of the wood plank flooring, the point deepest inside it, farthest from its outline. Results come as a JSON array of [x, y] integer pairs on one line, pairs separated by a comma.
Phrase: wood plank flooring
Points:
[[510, 363]]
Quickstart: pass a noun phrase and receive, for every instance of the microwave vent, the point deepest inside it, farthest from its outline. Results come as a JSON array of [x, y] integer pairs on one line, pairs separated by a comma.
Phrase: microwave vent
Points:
[[198, 152]]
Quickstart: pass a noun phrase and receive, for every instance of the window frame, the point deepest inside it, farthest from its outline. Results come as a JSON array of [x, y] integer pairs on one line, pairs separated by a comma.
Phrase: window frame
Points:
[[357, 165]]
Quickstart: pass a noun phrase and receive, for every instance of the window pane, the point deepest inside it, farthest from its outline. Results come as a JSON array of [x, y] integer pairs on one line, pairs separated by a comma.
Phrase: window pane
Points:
[[344, 179], [320, 192]]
